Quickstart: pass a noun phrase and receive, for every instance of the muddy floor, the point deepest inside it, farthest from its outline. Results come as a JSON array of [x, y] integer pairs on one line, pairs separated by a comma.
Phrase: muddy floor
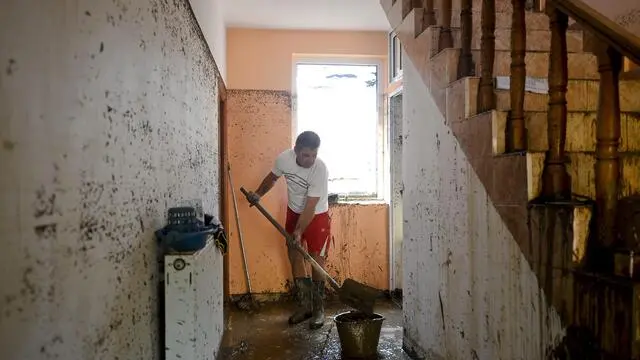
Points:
[[264, 334]]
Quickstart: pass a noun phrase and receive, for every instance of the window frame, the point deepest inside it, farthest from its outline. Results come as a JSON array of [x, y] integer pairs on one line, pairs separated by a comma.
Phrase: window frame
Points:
[[395, 57], [381, 121]]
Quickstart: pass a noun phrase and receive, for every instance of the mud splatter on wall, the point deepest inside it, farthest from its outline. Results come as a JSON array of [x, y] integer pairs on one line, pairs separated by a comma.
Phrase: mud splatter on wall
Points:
[[109, 117], [259, 129], [469, 292]]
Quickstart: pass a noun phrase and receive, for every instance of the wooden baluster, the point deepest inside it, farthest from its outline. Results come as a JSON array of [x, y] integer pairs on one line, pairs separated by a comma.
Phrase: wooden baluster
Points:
[[429, 14], [465, 64], [486, 95], [607, 136], [516, 131], [446, 38], [556, 184]]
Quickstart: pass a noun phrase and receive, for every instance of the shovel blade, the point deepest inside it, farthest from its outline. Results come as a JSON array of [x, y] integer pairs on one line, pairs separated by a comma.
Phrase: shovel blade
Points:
[[358, 296]]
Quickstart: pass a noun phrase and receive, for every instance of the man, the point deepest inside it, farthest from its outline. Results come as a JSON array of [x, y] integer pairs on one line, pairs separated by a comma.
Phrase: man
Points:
[[307, 219]]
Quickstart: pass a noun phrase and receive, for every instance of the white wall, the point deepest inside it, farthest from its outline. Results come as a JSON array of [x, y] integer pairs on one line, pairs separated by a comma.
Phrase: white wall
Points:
[[109, 113], [469, 293], [210, 16]]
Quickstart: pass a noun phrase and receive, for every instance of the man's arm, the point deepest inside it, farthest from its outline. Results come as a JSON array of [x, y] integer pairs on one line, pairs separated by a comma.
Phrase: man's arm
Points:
[[267, 184], [305, 218]]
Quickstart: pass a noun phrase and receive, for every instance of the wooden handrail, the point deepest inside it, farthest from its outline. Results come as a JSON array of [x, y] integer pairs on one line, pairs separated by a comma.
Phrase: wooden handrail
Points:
[[605, 29]]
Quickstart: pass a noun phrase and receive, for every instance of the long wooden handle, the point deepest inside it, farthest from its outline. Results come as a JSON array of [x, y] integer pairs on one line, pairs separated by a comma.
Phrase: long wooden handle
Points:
[[292, 242]]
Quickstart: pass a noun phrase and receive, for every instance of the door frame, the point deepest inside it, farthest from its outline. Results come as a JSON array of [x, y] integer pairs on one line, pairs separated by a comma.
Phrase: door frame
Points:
[[394, 283], [223, 182]]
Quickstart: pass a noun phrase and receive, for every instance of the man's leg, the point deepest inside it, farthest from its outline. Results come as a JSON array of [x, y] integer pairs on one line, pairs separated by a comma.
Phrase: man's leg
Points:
[[318, 235], [303, 286]]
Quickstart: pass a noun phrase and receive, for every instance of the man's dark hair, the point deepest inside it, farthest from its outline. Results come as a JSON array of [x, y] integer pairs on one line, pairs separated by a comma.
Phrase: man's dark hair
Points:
[[308, 139]]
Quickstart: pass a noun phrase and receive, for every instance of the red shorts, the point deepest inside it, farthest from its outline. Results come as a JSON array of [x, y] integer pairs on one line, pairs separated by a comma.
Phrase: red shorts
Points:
[[316, 235]]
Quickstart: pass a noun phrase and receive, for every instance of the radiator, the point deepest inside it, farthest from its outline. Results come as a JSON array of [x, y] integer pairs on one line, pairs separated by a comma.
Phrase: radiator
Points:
[[193, 301]]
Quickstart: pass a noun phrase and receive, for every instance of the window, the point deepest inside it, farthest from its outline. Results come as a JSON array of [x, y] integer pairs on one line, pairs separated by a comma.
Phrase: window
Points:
[[341, 102], [395, 58]]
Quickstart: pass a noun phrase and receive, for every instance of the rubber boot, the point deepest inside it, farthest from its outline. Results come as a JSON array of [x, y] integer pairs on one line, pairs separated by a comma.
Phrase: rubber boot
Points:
[[303, 296], [317, 319]]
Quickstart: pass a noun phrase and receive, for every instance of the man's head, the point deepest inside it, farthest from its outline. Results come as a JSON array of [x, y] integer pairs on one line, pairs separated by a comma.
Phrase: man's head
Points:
[[306, 148]]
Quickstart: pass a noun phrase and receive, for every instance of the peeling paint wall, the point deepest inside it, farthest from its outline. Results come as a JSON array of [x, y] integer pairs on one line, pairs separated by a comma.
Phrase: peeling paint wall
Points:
[[109, 117], [259, 108], [469, 293]]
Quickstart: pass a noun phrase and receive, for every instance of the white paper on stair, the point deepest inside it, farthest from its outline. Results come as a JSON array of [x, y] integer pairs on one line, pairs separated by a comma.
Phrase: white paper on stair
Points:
[[531, 84]]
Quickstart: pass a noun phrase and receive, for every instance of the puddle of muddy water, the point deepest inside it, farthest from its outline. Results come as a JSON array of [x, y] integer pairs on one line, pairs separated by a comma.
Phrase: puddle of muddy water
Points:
[[266, 335]]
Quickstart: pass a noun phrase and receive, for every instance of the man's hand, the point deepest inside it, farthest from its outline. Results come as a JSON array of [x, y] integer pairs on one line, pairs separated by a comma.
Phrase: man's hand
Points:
[[297, 236], [253, 198]]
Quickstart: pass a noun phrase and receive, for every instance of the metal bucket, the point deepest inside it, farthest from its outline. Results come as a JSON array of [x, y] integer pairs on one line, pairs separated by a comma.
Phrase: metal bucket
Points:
[[359, 334]]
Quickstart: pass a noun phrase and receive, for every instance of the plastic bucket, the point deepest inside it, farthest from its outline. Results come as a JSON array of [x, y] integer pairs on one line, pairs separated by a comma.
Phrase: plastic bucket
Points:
[[359, 334]]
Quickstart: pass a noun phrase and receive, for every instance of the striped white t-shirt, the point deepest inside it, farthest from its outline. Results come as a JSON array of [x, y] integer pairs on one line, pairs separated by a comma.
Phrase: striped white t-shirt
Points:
[[303, 182]]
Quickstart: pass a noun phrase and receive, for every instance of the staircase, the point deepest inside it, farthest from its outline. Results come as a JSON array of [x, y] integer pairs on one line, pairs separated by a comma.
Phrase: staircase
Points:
[[566, 178]]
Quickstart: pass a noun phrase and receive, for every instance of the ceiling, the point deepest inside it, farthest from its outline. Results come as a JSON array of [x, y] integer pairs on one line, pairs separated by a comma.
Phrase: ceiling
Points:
[[306, 14]]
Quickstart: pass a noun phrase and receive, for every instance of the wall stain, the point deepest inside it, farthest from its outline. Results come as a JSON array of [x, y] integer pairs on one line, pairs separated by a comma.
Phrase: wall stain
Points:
[[11, 67], [46, 232], [45, 203], [85, 268], [8, 145]]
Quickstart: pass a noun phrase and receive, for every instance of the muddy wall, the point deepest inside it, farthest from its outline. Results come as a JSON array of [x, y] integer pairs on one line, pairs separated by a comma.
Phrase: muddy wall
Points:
[[469, 293], [259, 129], [109, 117], [259, 108]]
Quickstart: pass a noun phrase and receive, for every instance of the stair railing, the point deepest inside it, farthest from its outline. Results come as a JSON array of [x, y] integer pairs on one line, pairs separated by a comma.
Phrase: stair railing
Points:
[[612, 42]]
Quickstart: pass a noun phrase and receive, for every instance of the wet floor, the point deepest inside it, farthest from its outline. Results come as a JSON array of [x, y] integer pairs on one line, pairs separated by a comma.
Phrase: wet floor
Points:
[[265, 334]]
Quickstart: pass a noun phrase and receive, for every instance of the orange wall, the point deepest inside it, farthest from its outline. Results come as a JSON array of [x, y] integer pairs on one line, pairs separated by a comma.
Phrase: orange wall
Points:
[[259, 76], [262, 59]]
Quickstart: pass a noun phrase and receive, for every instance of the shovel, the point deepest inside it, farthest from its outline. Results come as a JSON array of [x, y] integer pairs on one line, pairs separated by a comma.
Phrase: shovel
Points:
[[352, 293]]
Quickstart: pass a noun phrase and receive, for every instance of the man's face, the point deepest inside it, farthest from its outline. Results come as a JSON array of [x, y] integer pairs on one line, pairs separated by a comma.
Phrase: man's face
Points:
[[306, 156]]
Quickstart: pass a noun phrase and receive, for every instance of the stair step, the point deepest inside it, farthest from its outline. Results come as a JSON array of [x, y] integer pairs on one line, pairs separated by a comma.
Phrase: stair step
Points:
[[533, 21], [502, 6], [580, 65], [582, 95], [537, 40], [581, 167], [581, 132], [476, 5]]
